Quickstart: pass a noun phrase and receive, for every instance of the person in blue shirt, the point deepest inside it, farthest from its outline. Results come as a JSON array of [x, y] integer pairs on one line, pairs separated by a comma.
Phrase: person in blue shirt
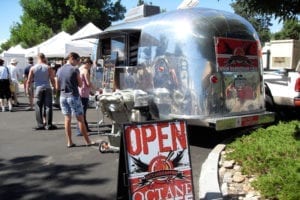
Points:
[[68, 80]]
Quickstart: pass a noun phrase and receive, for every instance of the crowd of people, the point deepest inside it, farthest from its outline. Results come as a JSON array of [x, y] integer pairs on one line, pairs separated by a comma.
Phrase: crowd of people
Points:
[[71, 81]]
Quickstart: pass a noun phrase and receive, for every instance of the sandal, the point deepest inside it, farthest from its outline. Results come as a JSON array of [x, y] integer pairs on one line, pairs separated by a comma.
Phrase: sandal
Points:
[[71, 145], [92, 144]]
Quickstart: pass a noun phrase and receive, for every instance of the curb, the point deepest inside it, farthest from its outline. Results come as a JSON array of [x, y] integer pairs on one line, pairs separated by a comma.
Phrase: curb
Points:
[[209, 188]]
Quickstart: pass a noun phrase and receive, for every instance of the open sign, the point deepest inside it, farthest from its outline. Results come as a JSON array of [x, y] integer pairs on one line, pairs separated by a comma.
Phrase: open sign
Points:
[[158, 160]]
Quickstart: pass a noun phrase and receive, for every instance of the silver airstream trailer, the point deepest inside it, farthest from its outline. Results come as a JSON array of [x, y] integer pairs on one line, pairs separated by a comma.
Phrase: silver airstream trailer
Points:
[[197, 64]]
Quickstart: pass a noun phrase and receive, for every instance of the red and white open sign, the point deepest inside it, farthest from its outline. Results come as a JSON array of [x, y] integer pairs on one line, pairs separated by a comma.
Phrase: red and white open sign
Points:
[[158, 161]]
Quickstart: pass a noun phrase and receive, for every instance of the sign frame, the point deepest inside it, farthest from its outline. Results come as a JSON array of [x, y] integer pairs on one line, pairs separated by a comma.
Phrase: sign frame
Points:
[[151, 180]]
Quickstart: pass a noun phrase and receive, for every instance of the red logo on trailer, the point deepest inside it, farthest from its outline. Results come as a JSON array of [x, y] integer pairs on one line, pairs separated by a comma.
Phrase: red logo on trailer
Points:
[[236, 55], [158, 161]]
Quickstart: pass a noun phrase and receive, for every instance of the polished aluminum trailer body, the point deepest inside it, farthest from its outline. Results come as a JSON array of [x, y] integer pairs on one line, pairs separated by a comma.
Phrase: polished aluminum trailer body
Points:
[[197, 64]]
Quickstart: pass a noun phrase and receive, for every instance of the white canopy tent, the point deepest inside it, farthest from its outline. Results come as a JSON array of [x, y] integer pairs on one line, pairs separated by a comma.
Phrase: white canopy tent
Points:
[[53, 47], [84, 47], [56, 46], [86, 32], [17, 52], [63, 43]]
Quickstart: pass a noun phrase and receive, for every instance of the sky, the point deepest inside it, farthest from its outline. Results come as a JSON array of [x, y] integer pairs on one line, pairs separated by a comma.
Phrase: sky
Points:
[[11, 11]]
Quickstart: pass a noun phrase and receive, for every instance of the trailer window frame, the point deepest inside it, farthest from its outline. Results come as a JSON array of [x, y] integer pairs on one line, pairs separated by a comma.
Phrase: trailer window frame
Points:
[[131, 45], [129, 59]]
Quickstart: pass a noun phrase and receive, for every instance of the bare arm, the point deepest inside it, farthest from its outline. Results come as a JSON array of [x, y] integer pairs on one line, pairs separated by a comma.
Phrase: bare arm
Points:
[[57, 86], [79, 81], [30, 79], [51, 76], [87, 78]]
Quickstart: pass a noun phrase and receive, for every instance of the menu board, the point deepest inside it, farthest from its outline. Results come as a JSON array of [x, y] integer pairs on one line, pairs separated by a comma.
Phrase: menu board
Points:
[[109, 71]]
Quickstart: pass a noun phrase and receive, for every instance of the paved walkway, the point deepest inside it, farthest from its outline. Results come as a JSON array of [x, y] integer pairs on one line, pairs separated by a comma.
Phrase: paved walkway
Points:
[[37, 164]]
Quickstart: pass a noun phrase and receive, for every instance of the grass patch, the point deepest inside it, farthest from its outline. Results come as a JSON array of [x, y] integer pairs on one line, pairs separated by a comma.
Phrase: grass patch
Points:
[[273, 155]]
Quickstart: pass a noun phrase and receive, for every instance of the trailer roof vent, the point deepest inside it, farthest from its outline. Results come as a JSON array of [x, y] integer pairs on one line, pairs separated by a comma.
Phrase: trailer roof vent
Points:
[[141, 11]]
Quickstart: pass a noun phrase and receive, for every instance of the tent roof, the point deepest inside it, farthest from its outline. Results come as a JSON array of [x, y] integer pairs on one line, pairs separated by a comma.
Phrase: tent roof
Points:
[[61, 44], [16, 50], [82, 47], [55, 46], [85, 32], [48, 47]]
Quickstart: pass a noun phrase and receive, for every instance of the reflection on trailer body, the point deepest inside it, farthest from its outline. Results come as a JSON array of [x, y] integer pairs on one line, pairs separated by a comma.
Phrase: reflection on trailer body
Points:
[[198, 64]]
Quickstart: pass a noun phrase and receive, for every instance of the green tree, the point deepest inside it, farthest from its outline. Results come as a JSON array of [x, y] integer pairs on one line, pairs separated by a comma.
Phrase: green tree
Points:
[[290, 30], [282, 9], [261, 22], [69, 24], [29, 32], [142, 2], [5, 46], [43, 18]]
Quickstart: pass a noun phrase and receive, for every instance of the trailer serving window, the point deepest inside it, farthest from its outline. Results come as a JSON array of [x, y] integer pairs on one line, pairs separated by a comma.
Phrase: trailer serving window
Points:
[[120, 50]]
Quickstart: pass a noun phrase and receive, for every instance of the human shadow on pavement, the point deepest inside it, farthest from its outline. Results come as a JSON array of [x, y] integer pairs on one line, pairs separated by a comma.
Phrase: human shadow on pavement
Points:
[[34, 177]]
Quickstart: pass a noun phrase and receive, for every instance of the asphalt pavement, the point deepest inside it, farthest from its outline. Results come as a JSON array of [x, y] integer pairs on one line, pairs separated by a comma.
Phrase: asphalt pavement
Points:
[[38, 165]]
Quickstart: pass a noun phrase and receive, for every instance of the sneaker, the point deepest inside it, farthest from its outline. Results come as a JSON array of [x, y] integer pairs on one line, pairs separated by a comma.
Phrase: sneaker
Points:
[[39, 128], [51, 127]]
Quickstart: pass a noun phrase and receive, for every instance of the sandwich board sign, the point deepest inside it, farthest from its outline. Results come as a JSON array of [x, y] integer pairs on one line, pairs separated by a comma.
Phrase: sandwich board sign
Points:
[[158, 161]]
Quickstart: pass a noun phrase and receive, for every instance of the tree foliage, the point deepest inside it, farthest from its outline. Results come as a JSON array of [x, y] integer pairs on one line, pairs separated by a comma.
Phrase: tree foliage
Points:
[[43, 18], [142, 2], [290, 30], [261, 22], [282, 9]]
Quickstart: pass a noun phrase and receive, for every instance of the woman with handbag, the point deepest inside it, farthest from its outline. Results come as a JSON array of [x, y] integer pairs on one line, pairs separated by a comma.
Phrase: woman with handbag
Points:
[[5, 92]]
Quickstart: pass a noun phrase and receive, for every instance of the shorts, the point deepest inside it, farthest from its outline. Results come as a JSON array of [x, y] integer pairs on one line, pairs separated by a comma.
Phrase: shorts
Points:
[[5, 92], [71, 105]]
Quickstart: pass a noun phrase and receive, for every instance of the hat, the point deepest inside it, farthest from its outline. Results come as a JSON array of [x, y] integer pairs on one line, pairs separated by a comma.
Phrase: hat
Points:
[[13, 61]]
